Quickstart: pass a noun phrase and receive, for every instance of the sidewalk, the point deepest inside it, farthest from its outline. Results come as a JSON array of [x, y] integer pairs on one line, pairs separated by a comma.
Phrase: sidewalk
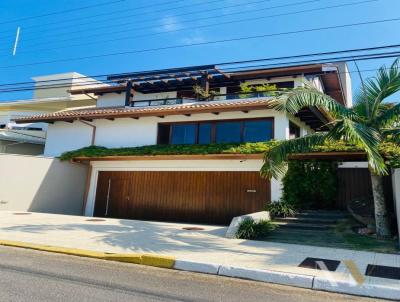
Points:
[[205, 246]]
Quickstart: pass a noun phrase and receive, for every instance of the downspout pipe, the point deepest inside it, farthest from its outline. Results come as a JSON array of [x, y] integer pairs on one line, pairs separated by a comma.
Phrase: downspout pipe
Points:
[[94, 128], [89, 171]]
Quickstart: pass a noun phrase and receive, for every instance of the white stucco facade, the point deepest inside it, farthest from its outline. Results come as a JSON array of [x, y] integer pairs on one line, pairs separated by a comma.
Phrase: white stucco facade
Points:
[[128, 132]]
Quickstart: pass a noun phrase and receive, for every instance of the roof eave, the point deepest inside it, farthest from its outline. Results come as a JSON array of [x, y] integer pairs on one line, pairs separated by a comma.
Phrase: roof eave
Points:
[[137, 114]]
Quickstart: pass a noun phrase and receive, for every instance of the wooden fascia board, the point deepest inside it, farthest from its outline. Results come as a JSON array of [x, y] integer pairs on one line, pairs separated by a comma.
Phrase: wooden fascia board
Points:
[[98, 90], [340, 156], [172, 157]]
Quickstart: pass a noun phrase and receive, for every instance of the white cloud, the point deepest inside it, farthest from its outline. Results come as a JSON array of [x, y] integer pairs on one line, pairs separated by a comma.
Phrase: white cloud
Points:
[[170, 23]]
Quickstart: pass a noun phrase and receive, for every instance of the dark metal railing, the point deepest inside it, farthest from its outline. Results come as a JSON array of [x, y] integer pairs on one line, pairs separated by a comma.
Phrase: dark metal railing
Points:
[[218, 97]]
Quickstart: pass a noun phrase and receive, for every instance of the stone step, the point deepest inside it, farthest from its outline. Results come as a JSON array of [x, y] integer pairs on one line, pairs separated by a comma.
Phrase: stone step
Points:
[[301, 226], [322, 214], [321, 221]]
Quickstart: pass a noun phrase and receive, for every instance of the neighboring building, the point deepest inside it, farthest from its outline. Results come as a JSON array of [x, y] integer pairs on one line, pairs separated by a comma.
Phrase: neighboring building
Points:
[[50, 95], [147, 108]]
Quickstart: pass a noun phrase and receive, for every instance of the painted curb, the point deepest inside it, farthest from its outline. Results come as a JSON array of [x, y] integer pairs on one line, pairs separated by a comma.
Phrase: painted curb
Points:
[[54, 249], [157, 260], [277, 277], [128, 258], [348, 287], [298, 280], [197, 267], [144, 259]]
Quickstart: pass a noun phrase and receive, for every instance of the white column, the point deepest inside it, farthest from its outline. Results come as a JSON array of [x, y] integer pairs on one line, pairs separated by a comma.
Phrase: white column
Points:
[[281, 129], [276, 190]]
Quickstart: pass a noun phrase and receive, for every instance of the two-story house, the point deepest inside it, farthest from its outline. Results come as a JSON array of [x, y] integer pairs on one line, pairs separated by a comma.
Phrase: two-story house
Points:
[[50, 94], [161, 107]]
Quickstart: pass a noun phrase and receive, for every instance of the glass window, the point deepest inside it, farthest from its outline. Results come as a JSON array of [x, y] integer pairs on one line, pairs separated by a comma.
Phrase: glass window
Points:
[[228, 132], [183, 134], [257, 131], [205, 133]]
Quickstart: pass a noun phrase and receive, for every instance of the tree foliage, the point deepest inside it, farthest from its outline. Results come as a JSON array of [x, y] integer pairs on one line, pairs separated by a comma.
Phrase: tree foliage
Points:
[[367, 124]]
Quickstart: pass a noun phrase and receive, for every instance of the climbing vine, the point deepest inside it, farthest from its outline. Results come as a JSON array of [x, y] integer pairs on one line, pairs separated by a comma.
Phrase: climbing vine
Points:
[[310, 184]]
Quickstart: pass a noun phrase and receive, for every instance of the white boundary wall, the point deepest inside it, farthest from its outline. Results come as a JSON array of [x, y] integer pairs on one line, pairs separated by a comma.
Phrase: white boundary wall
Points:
[[40, 184]]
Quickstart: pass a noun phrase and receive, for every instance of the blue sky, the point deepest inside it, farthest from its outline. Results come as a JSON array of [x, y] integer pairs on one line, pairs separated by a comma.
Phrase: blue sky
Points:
[[142, 24]]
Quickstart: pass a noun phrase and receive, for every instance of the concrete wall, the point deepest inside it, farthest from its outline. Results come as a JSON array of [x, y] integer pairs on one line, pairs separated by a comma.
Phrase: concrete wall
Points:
[[72, 79], [40, 184], [63, 137], [396, 194]]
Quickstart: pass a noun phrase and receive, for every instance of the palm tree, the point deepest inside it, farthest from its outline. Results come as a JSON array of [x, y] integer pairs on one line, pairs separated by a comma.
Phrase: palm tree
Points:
[[366, 124]]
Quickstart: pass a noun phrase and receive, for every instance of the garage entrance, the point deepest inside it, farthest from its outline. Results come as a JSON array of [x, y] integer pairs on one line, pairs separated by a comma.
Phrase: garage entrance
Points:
[[201, 197]]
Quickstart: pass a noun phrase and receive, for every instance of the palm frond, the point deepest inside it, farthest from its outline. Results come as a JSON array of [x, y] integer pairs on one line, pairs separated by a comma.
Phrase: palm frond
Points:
[[375, 90], [364, 136], [275, 159], [294, 100], [392, 134], [391, 131], [389, 116]]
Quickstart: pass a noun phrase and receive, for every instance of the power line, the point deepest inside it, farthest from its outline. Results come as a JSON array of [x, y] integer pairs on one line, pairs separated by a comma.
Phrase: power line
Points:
[[250, 19], [63, 11], [280, 64], [205, 43], [176, 23], [365, 57], [119, 12], [282, 58]]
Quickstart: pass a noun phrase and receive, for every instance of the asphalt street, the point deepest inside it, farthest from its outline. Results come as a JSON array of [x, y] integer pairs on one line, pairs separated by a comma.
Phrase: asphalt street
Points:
[[28, 275]]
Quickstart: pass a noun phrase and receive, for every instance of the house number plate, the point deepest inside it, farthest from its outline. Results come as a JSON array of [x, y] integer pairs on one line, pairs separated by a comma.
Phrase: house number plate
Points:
[[251, 191]]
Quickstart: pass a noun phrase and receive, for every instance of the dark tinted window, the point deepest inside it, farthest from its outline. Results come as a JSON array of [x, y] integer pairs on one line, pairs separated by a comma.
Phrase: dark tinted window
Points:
[[234, 131], [183, 134], [294, 130], [205, 133], [228, 132], [163, 134], [257, 131]]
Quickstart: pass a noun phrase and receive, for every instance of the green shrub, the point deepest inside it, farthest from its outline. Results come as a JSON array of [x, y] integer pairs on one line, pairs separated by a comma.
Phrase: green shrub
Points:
[[390, 150], [281, 209], [234, 148], [249, 229], [310, 184]]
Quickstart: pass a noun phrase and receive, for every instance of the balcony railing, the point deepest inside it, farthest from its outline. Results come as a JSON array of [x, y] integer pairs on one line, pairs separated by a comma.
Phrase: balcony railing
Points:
[[219, 97]]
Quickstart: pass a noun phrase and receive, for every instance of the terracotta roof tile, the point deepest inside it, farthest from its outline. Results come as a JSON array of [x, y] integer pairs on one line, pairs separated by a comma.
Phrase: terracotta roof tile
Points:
[[115, 112]]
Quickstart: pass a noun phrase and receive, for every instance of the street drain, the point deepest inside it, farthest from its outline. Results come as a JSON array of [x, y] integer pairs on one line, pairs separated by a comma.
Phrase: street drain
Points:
[[95, 220], [382, 271], [22, 213], [320, 264], [193, 229]]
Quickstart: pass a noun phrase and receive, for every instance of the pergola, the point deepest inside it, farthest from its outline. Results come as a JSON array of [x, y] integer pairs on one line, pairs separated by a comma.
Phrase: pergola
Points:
[[212, 76]]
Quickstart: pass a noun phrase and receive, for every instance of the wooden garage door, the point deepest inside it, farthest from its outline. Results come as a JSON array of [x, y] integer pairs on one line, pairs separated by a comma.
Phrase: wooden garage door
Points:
[[208, 197]]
